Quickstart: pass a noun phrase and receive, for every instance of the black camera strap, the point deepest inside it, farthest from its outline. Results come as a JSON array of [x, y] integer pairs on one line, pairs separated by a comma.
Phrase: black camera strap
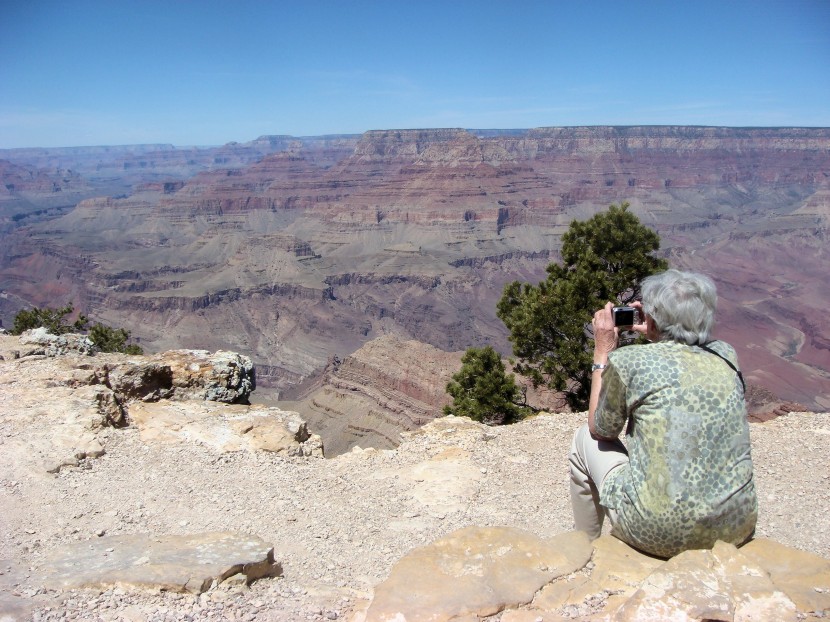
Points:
[[705, 346]]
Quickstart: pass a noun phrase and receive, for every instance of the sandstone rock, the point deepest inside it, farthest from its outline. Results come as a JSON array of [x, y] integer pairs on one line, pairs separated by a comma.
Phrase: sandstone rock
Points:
[[225, 427], [62, 423], [189, 563], [459, 577], [448, 427], [65, 402], [55, 345], [476, 571], [220, 376]]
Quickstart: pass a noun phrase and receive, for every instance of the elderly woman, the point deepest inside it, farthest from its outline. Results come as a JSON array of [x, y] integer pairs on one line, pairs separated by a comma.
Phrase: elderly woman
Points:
[[683, 479]]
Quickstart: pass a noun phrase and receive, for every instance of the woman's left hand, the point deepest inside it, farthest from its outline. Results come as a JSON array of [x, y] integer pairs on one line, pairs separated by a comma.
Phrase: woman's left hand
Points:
[[641, 326], [606, 334]]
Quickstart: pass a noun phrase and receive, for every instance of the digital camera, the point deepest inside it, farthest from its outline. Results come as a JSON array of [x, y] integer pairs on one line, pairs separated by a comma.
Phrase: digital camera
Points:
[[624, 316]]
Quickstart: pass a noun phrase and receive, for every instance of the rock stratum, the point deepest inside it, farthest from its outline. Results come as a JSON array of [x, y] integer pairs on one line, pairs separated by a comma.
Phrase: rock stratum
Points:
[[194, 506], [295, 251], [389, 386]]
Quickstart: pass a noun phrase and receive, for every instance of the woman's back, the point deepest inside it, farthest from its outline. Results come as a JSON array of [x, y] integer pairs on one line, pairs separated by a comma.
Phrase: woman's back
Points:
[[689, 478]]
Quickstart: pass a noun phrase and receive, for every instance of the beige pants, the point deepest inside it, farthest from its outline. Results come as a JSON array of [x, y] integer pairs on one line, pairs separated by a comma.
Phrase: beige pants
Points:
[[591, 461]]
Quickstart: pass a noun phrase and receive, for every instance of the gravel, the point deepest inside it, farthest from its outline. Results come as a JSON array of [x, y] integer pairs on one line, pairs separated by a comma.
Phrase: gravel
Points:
[[338, 526]]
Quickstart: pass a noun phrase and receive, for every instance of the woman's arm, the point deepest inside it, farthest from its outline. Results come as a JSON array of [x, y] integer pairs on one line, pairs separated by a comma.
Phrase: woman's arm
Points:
[[606, 336]]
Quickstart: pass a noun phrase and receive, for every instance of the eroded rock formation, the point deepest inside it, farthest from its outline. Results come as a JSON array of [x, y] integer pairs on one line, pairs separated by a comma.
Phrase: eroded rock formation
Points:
[[479, 572], [389, 386], [71, 396], [293, 251]]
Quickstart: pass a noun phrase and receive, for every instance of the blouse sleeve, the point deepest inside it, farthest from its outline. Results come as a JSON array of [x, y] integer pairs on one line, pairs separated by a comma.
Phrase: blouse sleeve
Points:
[[611, 414]]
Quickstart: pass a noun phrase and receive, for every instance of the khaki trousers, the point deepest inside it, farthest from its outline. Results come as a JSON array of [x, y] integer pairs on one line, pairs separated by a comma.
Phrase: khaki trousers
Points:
[[591, 461]]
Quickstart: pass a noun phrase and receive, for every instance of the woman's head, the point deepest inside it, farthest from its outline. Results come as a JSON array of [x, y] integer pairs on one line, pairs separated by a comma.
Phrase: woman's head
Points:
[[681, 304]]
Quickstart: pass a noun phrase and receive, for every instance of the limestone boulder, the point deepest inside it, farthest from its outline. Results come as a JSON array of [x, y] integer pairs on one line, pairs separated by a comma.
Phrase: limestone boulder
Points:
[[57, 407], [40, 341], [478, 572], [51, 427], [139, 379], [188, 563], [802, 576], [718, 584], [616, 573]]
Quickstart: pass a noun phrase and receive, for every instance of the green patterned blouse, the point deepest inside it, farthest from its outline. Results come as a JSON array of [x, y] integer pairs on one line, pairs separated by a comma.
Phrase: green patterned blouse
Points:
[[689, 478]]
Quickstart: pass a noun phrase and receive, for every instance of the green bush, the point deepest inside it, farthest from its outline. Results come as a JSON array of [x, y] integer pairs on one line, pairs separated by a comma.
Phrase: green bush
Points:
[[54, 320], [483, 391], [107, 339]]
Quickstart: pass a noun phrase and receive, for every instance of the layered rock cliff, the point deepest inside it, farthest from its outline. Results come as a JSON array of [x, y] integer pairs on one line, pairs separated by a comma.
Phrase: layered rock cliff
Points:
[[388, 387], [297, 250]]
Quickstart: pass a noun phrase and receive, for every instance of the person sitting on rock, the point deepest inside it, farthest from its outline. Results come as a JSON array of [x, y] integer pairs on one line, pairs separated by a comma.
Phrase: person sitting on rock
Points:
[[683, 479]]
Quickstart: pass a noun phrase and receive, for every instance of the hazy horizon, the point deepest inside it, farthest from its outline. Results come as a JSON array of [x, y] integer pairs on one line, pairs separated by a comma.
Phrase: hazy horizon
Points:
[[402, 129]]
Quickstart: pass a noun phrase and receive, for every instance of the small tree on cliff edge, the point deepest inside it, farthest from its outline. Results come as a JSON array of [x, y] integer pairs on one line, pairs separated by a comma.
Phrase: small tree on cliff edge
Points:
[[483, 391], [604, 258]]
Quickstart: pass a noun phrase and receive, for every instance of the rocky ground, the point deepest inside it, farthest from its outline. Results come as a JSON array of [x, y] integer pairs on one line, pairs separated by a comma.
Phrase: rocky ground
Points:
[[338, 526]]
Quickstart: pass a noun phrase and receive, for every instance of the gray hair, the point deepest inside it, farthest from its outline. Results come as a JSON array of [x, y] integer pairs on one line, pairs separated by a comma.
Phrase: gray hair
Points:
[[682, 305]]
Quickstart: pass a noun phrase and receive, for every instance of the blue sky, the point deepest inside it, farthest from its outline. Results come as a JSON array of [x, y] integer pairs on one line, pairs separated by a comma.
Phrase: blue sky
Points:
[[209, 72]]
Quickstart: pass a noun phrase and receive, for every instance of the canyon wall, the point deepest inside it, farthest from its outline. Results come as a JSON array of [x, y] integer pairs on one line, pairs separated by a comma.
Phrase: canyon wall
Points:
[[294, 251]]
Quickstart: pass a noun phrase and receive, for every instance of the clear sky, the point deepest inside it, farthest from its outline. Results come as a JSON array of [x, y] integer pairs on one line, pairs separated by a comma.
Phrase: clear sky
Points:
[[202, 72]]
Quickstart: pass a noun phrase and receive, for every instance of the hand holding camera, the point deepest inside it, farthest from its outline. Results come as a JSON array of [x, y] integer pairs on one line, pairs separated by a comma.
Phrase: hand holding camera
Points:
[[609, 321]]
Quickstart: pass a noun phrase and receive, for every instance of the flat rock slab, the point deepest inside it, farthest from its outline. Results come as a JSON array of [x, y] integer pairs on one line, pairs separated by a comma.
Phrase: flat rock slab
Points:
[[188, 563], [225, 427], [802, 576], [475, 571], [618, 572]]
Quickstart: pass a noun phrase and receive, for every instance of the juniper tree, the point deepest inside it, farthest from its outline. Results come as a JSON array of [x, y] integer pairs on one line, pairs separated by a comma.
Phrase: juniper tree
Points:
[[109, 339], [54, 320], [603, 259]]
